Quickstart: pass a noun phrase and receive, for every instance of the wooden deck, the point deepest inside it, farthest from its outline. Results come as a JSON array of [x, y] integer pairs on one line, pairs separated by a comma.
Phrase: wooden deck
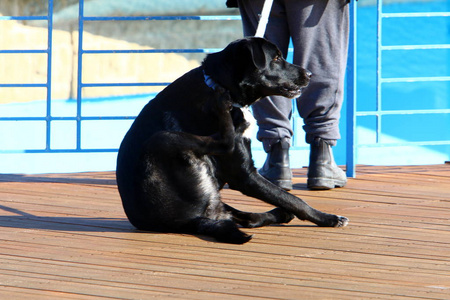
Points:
[[65, 237]]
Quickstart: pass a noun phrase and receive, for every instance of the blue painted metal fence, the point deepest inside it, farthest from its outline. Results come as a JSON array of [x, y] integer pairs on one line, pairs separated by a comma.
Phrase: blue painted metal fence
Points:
[[79, 118], [352, 113], [82, 52], [379, 112], [48, 84]]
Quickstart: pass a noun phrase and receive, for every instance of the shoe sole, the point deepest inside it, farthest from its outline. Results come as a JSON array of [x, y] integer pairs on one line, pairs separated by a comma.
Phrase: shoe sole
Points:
[[285, 184], [324, 184]]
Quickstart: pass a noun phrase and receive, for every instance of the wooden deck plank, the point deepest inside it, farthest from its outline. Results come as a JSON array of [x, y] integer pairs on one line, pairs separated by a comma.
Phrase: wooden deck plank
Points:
[[65, 236]]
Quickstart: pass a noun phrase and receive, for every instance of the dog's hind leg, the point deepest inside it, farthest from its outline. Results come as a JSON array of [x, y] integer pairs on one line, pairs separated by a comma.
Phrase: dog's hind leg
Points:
[[251, 220], [222, 230]]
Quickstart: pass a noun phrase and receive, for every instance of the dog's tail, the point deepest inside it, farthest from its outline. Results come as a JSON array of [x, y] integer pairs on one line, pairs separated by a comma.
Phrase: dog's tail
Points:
[[225, 231]]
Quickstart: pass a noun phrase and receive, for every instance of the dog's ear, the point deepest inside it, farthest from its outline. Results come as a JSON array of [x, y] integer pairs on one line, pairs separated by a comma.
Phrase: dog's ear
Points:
[[236, 59], [255, 48], [220, 66], [231, 66]]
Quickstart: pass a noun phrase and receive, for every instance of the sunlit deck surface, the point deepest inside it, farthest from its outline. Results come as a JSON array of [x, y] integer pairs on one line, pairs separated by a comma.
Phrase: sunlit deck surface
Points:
[[65, 236]]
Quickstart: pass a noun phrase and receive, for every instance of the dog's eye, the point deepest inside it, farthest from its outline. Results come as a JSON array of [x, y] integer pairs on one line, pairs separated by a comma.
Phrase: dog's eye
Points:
[[277, 58]]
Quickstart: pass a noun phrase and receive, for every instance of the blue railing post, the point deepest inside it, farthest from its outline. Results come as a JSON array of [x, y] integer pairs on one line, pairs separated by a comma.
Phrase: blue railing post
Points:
[[79, 72], [49, 75], [379, 67], [351, 93]]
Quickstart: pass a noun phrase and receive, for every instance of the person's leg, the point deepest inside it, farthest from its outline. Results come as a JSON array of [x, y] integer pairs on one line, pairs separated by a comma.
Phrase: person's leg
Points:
[[320, 36], [272, 113]]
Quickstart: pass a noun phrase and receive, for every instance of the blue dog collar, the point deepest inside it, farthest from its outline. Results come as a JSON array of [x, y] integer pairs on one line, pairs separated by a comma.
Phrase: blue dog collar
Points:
[[209, 81], [212, 84]]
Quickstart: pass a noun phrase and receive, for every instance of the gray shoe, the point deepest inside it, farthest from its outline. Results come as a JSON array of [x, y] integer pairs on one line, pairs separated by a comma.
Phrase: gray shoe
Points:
[[323, 173], [276, 168]]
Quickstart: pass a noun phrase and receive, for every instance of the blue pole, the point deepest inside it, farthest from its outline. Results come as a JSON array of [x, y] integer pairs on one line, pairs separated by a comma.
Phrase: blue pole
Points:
[[351, 93], [79, 71], [379, 67], [49, 74]]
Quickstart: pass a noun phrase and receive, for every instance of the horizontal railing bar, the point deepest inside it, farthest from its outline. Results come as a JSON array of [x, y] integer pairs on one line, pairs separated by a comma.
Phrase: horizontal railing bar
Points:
[[23, 85], [23, 18], [96, 150], [164, 18], [416, 47], [200, 50], [416, 15], [82, 118], [23, 51], [90, 118], [83, 85], [402, 112], [36, 151], [415, 79], [106, 118], [405, 144], [125, 51]]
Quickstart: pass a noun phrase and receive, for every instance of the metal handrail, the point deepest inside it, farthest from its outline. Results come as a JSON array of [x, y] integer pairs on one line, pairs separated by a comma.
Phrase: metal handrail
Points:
[[352, 113], [48, 51]]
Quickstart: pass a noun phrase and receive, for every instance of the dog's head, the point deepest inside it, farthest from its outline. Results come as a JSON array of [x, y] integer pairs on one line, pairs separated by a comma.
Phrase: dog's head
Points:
[[252, 68]]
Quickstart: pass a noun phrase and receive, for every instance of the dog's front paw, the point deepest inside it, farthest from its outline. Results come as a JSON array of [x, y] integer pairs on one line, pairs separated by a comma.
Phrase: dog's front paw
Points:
[[329, 220], [223, 99], [341, 221]]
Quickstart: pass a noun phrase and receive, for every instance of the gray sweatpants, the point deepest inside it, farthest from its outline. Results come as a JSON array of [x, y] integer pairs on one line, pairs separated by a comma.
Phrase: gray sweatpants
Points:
[[319, 32]]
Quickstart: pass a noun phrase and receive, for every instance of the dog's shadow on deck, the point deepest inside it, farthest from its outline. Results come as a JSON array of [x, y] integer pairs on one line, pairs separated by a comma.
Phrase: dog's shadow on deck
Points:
[[23, 220]]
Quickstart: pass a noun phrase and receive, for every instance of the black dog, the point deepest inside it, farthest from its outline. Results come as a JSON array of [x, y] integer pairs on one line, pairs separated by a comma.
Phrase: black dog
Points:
[[191, 140]]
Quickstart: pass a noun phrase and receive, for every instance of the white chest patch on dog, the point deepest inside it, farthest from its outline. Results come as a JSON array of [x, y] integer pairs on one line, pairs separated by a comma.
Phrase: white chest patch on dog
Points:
[[250, 120]]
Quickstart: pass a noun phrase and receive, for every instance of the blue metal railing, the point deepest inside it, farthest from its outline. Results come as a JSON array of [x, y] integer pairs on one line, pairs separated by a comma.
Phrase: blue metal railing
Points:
[[81, 52], [48, 83], [79, 118], [352, 144], [352, 113]]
